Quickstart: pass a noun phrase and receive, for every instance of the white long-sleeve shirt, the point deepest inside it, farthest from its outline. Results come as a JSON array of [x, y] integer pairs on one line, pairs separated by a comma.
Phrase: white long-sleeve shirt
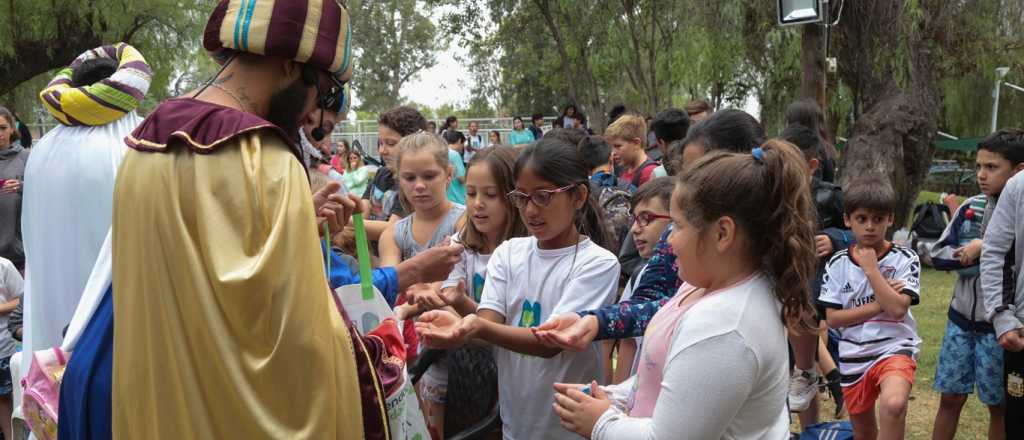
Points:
[[726, 375]]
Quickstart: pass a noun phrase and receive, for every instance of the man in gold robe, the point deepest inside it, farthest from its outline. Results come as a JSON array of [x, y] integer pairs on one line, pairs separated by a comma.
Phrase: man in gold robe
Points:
[[225, 324]]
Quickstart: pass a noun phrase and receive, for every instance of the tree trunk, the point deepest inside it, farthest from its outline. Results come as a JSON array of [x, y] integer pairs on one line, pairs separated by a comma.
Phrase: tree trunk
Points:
[[894, 136], [812, 62]]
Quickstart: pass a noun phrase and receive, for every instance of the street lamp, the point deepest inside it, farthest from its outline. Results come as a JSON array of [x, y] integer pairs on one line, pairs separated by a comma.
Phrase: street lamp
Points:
[[793, 12], [1000, 73]]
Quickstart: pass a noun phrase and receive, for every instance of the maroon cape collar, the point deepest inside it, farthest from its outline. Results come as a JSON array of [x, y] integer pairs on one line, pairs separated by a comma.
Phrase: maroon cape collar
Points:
[[203, 126]]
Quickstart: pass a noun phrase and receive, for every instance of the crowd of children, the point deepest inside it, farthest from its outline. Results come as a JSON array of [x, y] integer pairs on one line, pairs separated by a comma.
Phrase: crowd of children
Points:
[[728, 230]]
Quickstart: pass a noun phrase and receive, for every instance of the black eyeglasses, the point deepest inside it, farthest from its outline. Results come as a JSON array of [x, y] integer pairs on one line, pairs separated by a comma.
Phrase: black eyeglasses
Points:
[[328, 98], [540, 197], [645, 218]]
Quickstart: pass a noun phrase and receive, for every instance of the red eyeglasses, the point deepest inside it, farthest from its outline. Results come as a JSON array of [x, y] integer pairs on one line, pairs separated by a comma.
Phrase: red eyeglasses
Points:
[[645, 218]]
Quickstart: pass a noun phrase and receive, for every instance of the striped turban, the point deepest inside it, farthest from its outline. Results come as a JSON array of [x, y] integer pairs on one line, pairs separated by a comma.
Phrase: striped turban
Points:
[[102, 102], [314, 32]]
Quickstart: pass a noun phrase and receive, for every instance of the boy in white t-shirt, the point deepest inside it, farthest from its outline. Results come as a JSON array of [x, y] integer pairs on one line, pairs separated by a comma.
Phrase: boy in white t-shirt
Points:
[[650, 219], [867, 293]]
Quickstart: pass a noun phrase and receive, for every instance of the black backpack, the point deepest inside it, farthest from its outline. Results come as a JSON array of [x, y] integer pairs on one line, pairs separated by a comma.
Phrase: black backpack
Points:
[[930, 219]]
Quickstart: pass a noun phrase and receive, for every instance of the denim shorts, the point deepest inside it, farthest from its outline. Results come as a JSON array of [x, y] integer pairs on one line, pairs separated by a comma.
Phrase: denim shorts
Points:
[[968, 358]]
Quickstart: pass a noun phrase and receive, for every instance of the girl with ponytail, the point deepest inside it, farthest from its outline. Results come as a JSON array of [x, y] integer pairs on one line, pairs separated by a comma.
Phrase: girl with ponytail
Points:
[[560, 268], [713, 360]]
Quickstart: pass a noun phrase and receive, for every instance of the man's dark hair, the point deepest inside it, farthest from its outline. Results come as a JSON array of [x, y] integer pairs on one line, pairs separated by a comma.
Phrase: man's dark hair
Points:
[[657, 188], [670, 125], [594, 150], [536, 116], [871, 193], [806, 140], [569, 135], [805, 112], [404, 120], [1007, 142], [93, 71], [616, 111], [580, 117], [454, 136]]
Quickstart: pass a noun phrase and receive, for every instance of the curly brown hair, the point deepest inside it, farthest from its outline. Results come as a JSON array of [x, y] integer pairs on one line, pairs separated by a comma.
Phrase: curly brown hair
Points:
[[404, 120], [769, 198]]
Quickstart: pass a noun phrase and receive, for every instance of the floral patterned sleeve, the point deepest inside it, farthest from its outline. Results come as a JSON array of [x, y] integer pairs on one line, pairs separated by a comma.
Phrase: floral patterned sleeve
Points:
[[658, 284]]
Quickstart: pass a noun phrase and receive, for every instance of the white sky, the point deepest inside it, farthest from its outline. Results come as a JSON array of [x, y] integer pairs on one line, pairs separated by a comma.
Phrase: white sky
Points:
[[447, 82]]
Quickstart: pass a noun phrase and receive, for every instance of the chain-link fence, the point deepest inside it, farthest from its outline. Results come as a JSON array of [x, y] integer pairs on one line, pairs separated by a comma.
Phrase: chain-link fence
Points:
[[365, 131]]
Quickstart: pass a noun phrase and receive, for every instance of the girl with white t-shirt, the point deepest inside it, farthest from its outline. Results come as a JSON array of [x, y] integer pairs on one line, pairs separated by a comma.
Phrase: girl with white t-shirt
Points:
[[714, 362], [560, 268], [491, 220]]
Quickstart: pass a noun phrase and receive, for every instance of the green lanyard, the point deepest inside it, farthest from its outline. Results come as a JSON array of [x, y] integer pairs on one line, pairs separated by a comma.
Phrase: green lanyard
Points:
[[363, 253]]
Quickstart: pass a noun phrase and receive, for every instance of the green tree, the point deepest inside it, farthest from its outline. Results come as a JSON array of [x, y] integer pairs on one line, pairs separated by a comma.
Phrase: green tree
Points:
[[394, 41], [40, 36]]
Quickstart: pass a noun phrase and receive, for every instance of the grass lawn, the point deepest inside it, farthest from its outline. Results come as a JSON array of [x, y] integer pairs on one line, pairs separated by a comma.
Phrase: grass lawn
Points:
[[936, 290]]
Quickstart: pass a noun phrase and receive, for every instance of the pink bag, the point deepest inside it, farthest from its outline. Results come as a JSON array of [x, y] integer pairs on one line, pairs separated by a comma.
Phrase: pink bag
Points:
[[42, 392]]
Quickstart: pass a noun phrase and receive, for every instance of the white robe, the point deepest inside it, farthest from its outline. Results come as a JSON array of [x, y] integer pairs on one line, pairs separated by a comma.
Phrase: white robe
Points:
[[66, 214]]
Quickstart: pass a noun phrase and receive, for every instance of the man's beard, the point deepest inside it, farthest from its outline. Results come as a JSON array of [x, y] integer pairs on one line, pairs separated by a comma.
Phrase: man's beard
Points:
[[286, 109]]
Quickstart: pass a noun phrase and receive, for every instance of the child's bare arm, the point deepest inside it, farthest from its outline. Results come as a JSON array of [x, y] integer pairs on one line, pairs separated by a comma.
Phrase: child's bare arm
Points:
[[390, 254], [894, 303], [491, 328], [459, 300], [624, 363], [9, 306], [838, 318], [891, 301]]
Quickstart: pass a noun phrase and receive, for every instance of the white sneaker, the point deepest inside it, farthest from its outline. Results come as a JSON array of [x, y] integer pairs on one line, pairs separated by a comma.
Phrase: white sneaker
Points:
[[803, 385]]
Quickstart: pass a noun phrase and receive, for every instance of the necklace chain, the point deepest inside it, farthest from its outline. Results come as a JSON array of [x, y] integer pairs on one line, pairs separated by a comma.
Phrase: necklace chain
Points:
[[231, 94]]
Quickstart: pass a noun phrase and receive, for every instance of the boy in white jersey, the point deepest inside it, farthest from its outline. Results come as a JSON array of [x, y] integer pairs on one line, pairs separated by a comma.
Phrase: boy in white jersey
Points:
[[867, 292]]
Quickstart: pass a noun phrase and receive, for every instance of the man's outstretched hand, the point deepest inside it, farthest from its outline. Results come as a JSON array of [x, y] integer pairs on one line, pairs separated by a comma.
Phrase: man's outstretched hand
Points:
[[335, 208]]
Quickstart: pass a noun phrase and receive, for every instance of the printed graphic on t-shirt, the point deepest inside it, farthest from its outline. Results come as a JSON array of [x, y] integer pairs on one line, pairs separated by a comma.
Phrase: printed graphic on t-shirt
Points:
[[888, 272], [478, 287], [531, 314]]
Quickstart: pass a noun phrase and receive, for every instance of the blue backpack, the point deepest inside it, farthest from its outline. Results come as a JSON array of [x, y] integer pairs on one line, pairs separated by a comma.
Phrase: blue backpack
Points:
[[838, 430]]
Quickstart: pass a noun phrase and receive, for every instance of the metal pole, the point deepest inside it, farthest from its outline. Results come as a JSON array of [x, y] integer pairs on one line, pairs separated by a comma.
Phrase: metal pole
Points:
[[1014, 86], [1000, 73], [995, 107]]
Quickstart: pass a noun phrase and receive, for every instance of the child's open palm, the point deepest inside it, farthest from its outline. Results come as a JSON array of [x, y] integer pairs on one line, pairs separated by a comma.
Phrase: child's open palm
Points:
[[444, 329], [568, 331], [452, 295]]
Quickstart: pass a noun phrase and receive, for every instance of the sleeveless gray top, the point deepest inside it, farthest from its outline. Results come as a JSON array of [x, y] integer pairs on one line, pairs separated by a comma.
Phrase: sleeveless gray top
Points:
[[445, 229]]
